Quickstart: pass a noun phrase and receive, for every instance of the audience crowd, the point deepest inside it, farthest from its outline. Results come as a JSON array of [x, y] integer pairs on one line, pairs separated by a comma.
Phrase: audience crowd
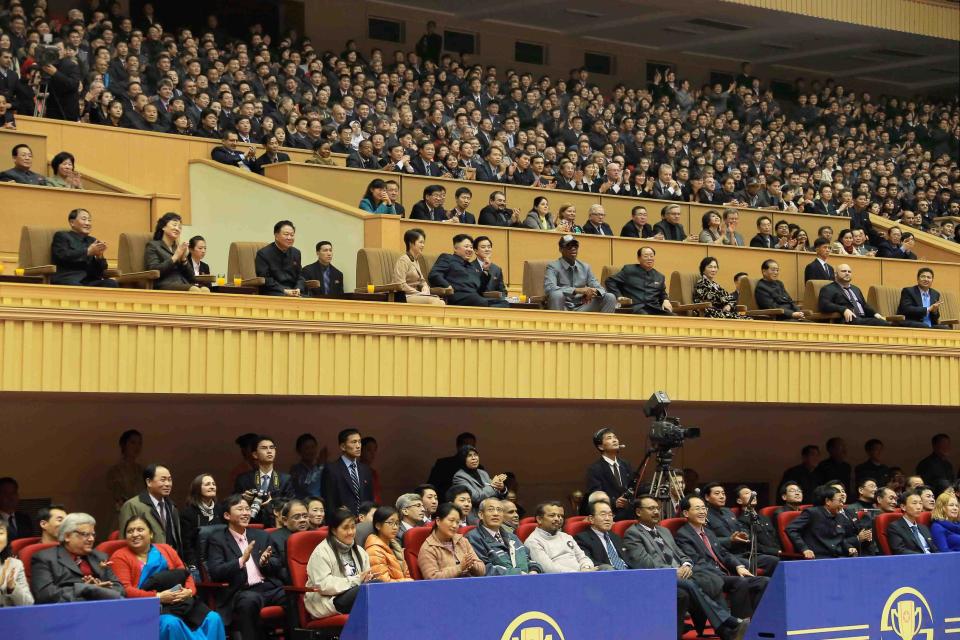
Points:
[[470, 523]]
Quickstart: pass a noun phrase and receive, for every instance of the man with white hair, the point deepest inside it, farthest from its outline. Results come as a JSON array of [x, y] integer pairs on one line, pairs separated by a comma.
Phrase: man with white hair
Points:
[[73, 571], [410, 507]]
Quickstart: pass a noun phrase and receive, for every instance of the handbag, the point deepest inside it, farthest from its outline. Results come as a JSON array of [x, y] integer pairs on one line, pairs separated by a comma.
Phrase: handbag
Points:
[[191, 611]]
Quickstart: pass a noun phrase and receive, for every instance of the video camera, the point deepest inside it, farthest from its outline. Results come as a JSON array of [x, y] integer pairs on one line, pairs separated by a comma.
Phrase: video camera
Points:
[[47, 54], [666, 432]]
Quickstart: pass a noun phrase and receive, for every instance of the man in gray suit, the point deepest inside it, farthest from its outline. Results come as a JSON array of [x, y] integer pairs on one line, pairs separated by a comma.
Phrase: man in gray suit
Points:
[[647, 545], [570, 284]]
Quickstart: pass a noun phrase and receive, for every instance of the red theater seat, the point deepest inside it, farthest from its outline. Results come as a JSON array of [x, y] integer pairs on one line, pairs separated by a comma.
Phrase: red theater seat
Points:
[[256, 525], [673, 524], [300, 547], [573, 528], [412, 541], [767, 512], [525, 529], [467, 529], [114, 535], [572, 518], [27, 553], [528, 520], [783, 520], [880, 524], [620, 528], [108, 547], [925, 518], [20, 543]]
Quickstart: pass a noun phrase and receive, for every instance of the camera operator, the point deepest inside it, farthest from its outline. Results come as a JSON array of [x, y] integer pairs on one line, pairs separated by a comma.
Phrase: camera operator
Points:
[[8, 75], [62, 80], [610, 474]]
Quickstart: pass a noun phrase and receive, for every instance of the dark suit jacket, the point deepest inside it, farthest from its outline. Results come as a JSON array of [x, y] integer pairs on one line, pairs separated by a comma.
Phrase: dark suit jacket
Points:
[[760, 240], [422, 168], [486, 174], [69, 253], [660, 193], [723, 523], [815, 271], [595, 550], [315, 272], [690, 543], [833, 299], [441, 474], [465, 218], [824, 208], [771, 294], [281, 486], [223, 565], [53, 573], [647, 289], [23, 524], [159, 256], [356, 161], [495, 281], [601, 478], [338, 489], [589, 227], [64, 100], [266, 159], [493, 217], [823, 533], [901, 539], [421, 211], [670, 231], [630, 230], [643, 552], [861, 220], [912, 307], [282, 270], [466, 278], [233, 158]]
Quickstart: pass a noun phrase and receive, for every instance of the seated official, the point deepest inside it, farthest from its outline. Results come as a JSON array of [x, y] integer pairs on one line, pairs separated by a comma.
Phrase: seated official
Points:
[[460, 272], [730, 531], [906, 536], [771, 294], [758, 525], [293, 517], [921, 304], [14, 589], [199, 511], [272, 155], [323, 271], [551, 548], [64, 175], [707, 289], [647, 545], [643, 284], [337, 567], [463, 197], [496, 213], [886, 500], [363, 157], [263, 483], [743, 589], [410, 513], [841, 296], [21, 172], [279, 263], [945, 522], [198, 251], [459, 496], [897, 245], [570, 284], [431, 207], [599, 543], [376, 199], [228, 153], [244, 559], [407, 270], [148, 570], [316, 511], [431, 500], [383, 547], [475, 479], [637, 226], [155, 505], [166, 254], [54, 575], [595, 221], [77, 255], [500, 550], [483, 248], [819, 532], [446, 553], [540, 217], [670, 227]]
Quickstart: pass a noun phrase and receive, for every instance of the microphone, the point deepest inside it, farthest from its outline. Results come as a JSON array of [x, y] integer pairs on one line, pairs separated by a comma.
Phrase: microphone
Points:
[[623, 446]]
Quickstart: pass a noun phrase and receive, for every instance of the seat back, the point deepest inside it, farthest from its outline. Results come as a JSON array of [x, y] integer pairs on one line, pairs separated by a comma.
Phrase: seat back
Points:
[[26, 555], [464, 530], [375, 266], [783, 520], [35, 244], [570, 519], [114, 535], [412, 541], [880, 525], [608, 271], [681, 286], [242, 260], [132, 249], [950, 309], [300, 547], [533, 519], [673, 524], [811, 294], [745, 292], [575, 527], [533, 274], [524, 530], [108, 547], [620, 527], [884, 299], [767, 512], [20, 543], [925, 518], [427, 260]]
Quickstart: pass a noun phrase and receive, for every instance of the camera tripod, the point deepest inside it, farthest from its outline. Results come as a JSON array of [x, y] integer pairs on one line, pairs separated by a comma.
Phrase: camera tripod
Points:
[[665, 483]]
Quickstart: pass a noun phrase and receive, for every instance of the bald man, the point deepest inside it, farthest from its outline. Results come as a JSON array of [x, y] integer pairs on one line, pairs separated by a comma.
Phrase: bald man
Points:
[[841, 296]]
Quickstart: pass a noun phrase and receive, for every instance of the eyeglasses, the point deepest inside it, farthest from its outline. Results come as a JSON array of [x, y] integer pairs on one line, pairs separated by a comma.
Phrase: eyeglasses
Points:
[[299, 516], [86, 535]]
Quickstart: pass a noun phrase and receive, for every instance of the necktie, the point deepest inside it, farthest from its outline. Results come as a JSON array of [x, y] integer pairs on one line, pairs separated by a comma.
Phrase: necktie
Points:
[[12, 526], [706, 543], [920, 540], [612, 554], [856, 303], [163, 515], [355, 484], [667, 556], [616, 475], [925, 301], [498, 537], [326, 281]]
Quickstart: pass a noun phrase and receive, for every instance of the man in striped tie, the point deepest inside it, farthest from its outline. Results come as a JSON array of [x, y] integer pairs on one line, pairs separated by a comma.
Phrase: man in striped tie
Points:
[[347, 482]]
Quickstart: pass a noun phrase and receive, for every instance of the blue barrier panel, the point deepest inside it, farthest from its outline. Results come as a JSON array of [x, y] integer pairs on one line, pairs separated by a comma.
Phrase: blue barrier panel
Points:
[[569, 606], [883, 598], [104, 620]]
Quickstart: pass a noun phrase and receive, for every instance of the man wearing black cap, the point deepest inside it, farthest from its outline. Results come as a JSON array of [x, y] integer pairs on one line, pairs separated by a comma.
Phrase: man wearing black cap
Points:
[[570, 284], [751, 195], [610, 474]]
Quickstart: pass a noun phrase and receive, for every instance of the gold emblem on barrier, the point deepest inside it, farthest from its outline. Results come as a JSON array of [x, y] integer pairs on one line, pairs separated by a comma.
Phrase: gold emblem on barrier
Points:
[[533, 625], [904, 616]]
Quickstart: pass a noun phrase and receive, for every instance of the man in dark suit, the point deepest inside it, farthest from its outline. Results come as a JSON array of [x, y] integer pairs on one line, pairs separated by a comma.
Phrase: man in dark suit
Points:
[[647, 545], [154, 505], [921, 304], [230, 155], [819, 269], [483, 247], [431, 207], [73, 571], [461, 273], [610, 474], [490, 170], [764, 238], [245, 560], [824, 205], [819, 532], [665, 187], [78, 255], [346, 481], [18, 523], [669, 224], [743, 589], [637, 226], [844, 298], [63, 80], [323, 271], [835, 467], [860, 219], [423, 164], [643, 284], [441, 473], [599, 542], [363, 157], [804, 474], [496, 213], [771, 294], [907, 536], [595, 222], [264, 483], [463, 196], [279, 263], [731, 534]]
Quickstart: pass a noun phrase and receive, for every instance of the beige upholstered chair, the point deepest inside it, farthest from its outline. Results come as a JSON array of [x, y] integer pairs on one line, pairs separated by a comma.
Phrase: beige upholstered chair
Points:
[[34, 258], [130, 260], [242, 262]]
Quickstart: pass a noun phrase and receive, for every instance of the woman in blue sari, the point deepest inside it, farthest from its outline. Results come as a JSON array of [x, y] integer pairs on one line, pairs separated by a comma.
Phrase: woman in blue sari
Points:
[[148, 570]]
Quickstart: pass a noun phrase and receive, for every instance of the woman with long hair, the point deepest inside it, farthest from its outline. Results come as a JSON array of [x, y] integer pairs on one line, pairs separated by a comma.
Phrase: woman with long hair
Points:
[[336, 568]]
